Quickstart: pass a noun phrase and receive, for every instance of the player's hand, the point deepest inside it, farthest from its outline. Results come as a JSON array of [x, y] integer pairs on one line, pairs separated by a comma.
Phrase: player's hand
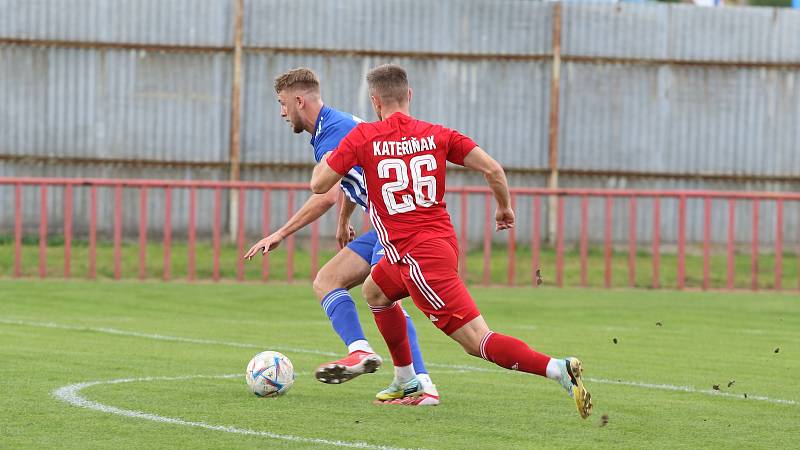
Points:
[[267, 244], [504, 218], [344, 234]]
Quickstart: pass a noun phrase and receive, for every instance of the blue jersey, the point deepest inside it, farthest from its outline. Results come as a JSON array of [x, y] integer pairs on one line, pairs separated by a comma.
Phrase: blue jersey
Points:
[[331, 127]]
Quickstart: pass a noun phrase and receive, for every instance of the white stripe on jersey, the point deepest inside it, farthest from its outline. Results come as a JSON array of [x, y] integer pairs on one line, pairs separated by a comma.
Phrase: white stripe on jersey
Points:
[[359, 180], [383, 236], [354, 188], [422, 284]]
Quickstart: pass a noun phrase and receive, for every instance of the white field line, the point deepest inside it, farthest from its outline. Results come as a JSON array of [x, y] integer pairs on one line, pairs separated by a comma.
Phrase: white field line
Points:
[[161, 337], [71, 394], [455, 367], [670, 387]]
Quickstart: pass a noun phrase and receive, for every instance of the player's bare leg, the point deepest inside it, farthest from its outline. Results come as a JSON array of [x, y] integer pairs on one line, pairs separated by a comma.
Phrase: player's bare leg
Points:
[[511, 353], [344, 271], [407, 387]]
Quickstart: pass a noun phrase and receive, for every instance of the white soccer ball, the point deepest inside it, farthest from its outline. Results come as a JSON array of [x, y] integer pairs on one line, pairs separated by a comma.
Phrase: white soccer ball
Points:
[[269, 374]]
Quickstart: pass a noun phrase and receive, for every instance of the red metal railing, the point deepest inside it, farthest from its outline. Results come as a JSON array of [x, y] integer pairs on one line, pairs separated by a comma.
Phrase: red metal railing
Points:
[[534, 195]]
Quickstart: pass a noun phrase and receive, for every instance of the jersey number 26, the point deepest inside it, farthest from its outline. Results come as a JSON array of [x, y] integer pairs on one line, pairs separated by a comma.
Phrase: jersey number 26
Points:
[[423, 186]]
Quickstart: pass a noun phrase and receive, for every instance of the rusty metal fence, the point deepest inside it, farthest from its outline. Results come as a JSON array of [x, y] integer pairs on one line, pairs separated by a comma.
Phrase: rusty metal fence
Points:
[[259, 195]]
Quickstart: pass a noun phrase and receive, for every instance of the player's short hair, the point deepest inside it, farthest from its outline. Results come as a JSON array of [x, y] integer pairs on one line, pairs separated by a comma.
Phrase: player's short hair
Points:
[[302, 78], [389, 82]]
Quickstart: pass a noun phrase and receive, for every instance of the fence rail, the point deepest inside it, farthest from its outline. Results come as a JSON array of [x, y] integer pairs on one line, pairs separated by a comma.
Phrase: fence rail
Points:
[[605, 197]]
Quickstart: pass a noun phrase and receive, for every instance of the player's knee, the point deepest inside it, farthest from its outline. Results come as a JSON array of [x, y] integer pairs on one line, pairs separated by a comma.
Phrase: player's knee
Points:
[[319, 285], [325, 282], [470, 337], [373, 294]]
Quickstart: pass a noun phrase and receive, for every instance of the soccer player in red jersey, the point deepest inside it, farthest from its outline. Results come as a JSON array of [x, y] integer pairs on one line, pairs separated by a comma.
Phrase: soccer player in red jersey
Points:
[[404, 164]]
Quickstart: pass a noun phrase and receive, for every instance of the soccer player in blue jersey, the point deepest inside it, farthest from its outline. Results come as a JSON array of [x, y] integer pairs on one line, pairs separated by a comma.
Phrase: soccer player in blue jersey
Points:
[[298, 93]]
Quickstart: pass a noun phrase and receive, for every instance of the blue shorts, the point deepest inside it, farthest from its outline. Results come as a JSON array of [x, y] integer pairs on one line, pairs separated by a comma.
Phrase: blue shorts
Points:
[[368, 247]]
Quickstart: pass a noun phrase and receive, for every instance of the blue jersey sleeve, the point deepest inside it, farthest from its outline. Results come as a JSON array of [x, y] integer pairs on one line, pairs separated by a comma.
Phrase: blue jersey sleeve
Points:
[[328, 140]]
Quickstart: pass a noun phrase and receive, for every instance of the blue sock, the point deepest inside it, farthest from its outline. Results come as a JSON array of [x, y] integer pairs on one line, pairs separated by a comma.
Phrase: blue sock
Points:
[[341, 309], [416, 353]]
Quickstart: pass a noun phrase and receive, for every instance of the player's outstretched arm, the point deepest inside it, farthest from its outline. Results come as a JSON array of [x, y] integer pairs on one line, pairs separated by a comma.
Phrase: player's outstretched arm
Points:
[[312, 209], [495, 176], [324, 177]]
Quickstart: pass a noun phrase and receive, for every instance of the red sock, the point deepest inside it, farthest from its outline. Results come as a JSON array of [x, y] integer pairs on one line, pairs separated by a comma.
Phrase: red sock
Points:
[[392, 324], [511, 353]]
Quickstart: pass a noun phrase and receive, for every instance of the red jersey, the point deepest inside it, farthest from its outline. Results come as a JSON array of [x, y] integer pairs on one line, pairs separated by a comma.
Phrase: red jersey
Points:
[[404, 163]]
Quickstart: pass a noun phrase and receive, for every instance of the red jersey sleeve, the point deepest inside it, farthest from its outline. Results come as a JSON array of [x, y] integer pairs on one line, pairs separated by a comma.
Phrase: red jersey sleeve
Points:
[[458, 146], [344, 156]]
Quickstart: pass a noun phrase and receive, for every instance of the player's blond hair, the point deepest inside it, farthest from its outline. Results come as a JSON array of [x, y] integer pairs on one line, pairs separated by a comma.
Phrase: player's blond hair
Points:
[[389, 82], [300, 78]]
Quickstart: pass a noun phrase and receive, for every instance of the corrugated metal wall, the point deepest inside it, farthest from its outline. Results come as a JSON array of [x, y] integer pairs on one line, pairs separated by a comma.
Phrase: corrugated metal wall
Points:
[[163, 22], [515, 129], [114, 104], [669, 89], [684, 119], [681, 32], [484, 27]]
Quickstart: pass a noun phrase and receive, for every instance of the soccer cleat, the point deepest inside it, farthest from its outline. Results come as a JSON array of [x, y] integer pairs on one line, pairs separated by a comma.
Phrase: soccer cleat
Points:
[[572, 382], [356, 363], [397, 390], [425, 399]]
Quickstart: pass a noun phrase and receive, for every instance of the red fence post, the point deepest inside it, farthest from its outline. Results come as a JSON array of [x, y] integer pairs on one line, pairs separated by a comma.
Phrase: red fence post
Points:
[[192, 232], [584, 239], [656, 242], [215, 232], [560, 242], [778, 244], [681, 242], [731, 218], [240, 237], [67, 230], [117, 231], [706, 242], [632, 243], [93, 232], [142, 232], [167, 233], [487, 239], [290, 239], [462, 260], [265, 231], [43, 232], [754, 255], [17, 230], [535, 239], [609, 211], [512, 246]]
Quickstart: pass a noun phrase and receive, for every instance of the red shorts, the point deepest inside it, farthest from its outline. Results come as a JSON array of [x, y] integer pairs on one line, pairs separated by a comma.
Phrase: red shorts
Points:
[[429, 274]]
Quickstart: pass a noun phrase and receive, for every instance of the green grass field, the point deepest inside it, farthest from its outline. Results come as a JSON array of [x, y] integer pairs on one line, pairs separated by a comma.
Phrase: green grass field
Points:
[[654, 384]]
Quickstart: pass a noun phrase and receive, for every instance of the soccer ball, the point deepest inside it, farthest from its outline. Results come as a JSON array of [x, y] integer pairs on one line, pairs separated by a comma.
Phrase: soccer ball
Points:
[[269, 374]]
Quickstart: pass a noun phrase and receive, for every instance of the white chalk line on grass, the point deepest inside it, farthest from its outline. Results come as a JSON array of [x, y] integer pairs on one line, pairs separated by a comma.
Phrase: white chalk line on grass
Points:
[[670, 387], [160, 337], [457, 368], [71, 394]]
